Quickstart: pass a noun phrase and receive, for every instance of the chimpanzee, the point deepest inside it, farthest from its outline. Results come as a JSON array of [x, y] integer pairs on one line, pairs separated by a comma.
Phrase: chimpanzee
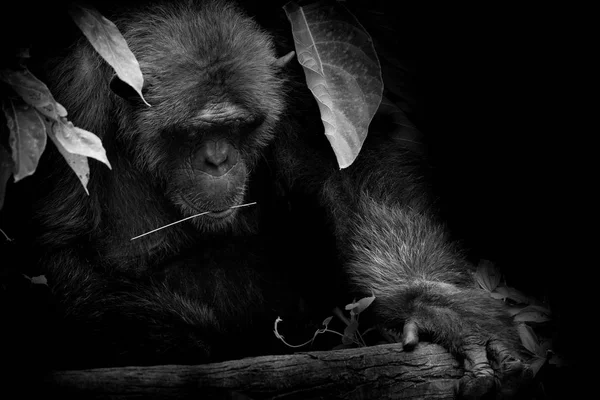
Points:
[[231, 122]]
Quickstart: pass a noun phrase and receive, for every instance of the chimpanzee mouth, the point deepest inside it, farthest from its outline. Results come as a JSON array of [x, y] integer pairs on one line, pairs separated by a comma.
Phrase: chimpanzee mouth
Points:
[[219, 214]]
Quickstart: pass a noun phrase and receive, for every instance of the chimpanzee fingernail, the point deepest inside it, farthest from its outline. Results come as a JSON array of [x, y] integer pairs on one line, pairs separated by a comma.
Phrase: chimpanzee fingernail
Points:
[[410, 335]]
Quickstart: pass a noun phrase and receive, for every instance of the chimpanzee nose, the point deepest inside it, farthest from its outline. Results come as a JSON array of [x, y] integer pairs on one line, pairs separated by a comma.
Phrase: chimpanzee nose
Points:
[[216, 157]]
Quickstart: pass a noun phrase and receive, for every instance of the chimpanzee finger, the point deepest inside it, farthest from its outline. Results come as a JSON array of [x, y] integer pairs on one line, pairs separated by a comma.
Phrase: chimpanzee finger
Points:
[[479, 379], [502, 357], [410, 335], [510, 370]]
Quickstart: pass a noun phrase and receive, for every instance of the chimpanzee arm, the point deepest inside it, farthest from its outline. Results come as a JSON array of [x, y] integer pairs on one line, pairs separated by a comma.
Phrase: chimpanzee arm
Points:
[[423, 285], [395, 248]]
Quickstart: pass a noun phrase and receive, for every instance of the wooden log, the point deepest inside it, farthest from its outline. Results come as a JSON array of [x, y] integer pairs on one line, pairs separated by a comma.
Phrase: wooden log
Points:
[[382, 372]]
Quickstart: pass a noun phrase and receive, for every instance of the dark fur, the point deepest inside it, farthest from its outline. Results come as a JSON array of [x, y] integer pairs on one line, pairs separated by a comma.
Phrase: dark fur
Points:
[[195, 292]]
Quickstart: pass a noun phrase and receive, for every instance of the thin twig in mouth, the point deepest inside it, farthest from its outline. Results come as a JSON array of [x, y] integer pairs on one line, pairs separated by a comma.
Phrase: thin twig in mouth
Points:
[[186, 218]]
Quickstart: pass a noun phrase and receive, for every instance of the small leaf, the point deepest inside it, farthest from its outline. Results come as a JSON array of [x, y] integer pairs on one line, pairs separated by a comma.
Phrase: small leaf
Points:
[[537, 364], [34, 92], [557, 360], [110, 44], [506, 292], [529, 339], [78, 163], [533, 314], [364, 303], [487, 275], [342, 71], [327, 320], [39, 280], [517, 295], [546, 346], [79, 141], [351, 306], [498, 294], [23, 52], [27, 137], [359, 306], [512, 311], [350, 332]]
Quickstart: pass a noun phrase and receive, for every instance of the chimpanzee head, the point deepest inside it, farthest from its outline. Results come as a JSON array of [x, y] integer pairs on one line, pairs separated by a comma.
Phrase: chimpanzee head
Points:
[[216, 95]]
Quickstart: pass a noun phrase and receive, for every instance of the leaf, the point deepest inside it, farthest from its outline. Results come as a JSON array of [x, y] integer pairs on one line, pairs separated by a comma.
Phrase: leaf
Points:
[[529, 339], [37, 280], [110, 44], [506, 292], [546, 345], [351, 306], [350, 332], [500, 293], [536, 364], [78, 163], [28, 129], [487, 275], [23, 52], [533, 314], [512, 311], [27, 137], [6, 170], [327, 320], [517, 295], [79, 141], [557, 360], [342, 71], [34, 92], [360, 305]]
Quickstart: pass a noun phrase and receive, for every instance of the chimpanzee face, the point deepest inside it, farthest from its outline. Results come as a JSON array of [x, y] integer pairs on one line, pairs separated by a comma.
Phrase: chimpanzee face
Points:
[[216, 98]]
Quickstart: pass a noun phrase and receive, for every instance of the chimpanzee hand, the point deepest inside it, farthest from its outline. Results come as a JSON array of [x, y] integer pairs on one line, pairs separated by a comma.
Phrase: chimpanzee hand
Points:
[[472, 326]]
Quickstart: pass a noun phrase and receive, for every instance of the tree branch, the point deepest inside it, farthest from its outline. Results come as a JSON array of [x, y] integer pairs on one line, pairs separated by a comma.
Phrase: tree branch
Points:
[[382, 372]]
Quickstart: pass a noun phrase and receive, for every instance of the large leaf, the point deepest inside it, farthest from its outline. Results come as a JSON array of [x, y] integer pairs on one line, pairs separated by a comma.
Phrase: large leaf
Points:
[[78, 163], [27, 136], [79, 141], [110, 44], [341, 70], [533, 313], [34, 92], [529, 339], [487, 275], [29, 126]]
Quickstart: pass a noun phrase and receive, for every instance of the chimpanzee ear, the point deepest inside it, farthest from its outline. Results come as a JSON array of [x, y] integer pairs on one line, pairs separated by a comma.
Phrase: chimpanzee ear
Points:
[[285, 60], [124, 90]]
